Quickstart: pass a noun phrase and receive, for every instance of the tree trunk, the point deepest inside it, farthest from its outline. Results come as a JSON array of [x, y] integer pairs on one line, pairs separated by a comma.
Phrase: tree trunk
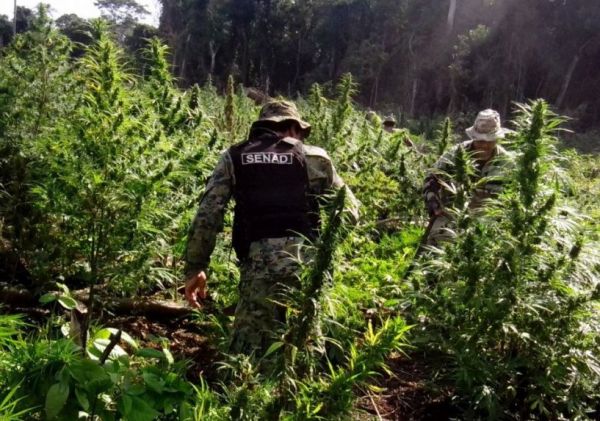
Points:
[[184, 59], [14, 28], [569, 74], [333, 66], [413, 98], [213, 57], [451, 16], [376, 93], [298, 55], [245, 59]]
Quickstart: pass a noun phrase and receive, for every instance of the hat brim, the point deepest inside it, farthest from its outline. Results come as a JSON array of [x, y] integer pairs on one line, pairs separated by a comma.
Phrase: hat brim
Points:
[[278, 119], [489, 137]]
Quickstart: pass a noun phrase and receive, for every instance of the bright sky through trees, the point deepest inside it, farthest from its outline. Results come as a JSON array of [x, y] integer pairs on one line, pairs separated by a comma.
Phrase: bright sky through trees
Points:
[[82, 8]]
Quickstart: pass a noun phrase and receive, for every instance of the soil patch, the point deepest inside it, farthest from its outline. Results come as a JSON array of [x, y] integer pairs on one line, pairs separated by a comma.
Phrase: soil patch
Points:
[[409, 393], [187, 340]]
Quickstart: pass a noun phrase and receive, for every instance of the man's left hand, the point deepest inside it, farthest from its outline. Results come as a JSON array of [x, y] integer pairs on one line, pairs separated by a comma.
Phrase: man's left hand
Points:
[[195, 286]]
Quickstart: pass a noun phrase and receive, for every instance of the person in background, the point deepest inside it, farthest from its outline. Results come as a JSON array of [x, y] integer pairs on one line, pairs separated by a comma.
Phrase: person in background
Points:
[[491, 162], [389, 124]]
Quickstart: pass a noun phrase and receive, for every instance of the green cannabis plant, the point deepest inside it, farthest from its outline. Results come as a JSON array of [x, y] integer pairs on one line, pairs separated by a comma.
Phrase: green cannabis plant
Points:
[[510, 301]]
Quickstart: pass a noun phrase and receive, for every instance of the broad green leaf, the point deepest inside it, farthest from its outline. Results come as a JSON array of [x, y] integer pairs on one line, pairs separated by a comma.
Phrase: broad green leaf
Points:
[[125, 404], [136, 389], [141, 411], [168, 356], [48, 298], [67, 302], [90, 376], [55, 399], [116, 352], [63, 287], [82, 399], [107, 331], [154, 382], [85, 370], [150, 353]]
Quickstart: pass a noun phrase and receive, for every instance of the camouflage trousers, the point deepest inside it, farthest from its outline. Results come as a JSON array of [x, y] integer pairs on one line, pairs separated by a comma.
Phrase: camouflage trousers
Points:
[[439, 231], [267, 277]]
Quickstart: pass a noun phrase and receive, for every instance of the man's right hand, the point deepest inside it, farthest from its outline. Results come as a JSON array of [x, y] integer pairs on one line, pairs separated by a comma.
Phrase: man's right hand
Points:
[[195, 286], [434, 209]]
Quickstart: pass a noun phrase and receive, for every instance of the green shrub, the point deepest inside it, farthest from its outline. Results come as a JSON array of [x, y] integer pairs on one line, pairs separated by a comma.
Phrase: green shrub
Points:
[[511, 303]]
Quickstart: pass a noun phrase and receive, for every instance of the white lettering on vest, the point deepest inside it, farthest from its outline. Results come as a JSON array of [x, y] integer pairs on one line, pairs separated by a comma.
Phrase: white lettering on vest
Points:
[[267, 158]]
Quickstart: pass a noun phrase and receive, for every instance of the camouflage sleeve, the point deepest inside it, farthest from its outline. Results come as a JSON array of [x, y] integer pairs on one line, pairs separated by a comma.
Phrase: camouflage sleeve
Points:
[[431, 194], [323, 177], [208, 221], [352, 203], [432, 187]]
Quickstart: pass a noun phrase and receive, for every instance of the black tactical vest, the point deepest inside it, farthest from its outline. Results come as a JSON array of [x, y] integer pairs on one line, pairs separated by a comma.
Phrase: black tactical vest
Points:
[[271, 191]]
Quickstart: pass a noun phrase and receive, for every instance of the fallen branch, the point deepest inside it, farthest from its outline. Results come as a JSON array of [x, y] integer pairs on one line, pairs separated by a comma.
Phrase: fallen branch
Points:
[[151, 308]]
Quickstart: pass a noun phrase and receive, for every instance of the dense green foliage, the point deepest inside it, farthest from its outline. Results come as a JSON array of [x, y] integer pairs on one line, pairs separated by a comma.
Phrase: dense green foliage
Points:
[[100, 173], [414, 57], [417, 58], [513, 301]]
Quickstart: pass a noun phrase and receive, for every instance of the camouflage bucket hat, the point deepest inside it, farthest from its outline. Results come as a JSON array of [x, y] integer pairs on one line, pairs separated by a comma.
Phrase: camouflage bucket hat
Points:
[[487, 127], [279, 110], [389, 120]]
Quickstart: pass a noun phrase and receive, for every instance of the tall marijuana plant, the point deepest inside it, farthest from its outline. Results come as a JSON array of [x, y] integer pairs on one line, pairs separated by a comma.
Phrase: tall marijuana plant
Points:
[[34, 73], [511, 303]]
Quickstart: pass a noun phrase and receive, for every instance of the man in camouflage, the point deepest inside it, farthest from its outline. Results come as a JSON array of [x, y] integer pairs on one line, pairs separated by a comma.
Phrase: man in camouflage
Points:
[[389, 124], [491, 163], [275, 180]]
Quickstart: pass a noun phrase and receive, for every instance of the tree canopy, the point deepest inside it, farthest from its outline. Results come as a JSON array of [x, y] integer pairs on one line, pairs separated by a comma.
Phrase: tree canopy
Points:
[[415, 57]]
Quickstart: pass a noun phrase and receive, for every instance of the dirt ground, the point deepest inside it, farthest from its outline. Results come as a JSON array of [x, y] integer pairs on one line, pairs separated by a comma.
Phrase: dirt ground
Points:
[[186, 340], [408, 393]]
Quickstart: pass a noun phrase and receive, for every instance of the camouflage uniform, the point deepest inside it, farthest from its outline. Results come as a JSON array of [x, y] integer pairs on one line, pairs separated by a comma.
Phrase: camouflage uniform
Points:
[[272, 263], [437, 197], [389, 123]]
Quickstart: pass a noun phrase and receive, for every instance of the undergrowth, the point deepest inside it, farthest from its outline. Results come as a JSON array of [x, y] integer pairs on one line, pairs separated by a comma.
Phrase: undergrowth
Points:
[[100, 174]]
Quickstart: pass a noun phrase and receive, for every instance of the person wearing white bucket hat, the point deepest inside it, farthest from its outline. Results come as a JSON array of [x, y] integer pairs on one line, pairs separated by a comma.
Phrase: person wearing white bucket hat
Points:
[[487, 127], [491, 162]]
